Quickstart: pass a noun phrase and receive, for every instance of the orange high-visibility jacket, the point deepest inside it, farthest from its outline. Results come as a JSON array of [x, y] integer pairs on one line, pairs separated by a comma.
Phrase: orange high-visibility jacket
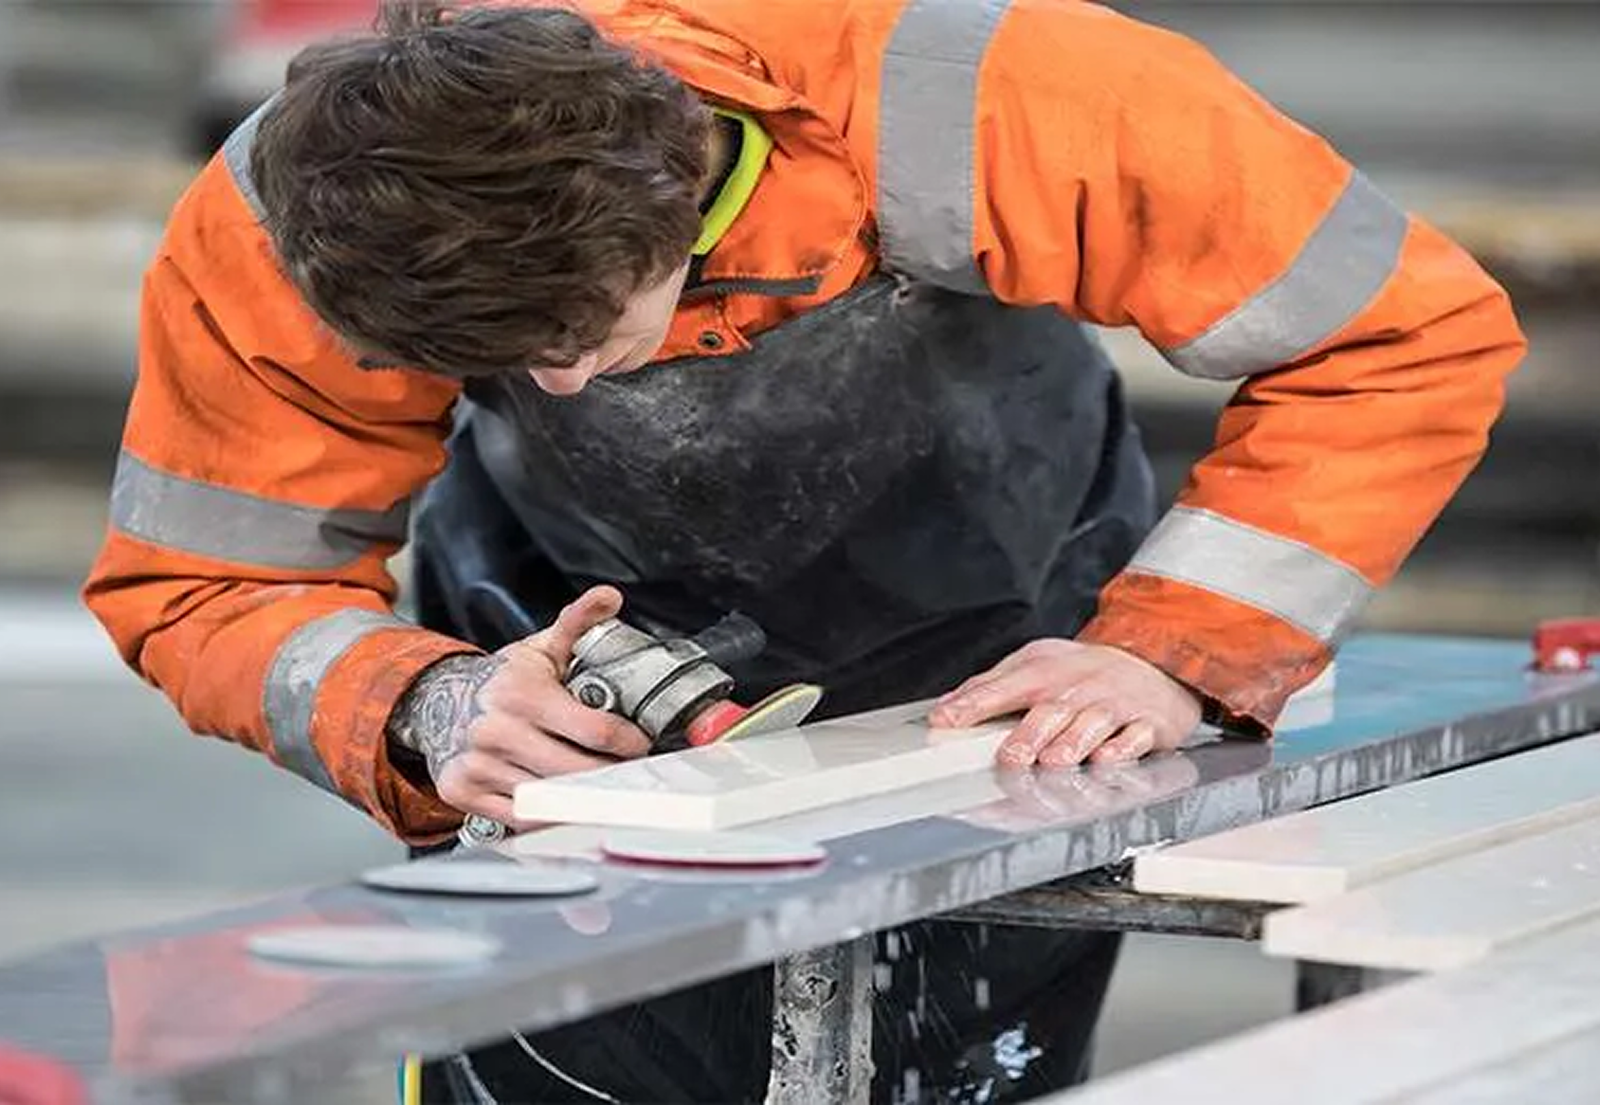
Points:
[[1041, 151]]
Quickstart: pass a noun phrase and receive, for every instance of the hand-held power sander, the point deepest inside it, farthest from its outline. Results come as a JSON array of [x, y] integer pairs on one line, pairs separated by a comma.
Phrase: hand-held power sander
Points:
[[673, 688]]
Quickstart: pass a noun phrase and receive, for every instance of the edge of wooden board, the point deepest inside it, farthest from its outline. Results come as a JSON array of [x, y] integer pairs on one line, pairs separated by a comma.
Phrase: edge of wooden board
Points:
[[571, 802]]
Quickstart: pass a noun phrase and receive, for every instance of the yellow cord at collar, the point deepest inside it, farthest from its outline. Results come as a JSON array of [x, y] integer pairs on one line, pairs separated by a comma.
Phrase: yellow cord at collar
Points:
[[754, 148]]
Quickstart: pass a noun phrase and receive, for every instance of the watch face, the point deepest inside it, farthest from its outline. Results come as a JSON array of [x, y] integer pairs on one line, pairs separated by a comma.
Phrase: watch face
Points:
[[480, 830]]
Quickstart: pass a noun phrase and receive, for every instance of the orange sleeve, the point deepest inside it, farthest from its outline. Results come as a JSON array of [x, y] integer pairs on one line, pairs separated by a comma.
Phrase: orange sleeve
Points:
[[263, 483], [1123, 174]]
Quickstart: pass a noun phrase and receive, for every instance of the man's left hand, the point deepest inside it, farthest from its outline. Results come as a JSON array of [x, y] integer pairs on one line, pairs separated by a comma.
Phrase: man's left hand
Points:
[[1081, 702]]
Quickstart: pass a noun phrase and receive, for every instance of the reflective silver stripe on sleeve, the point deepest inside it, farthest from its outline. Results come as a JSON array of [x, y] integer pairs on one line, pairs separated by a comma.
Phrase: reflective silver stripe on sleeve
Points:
[[290, 697], [1343, 266], [1287, 578], [223, 524], [926, 137], [236, 155]]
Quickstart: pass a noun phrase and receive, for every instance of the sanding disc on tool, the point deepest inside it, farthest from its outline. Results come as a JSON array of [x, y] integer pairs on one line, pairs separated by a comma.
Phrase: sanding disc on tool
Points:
[[782, 709], [373, 946], [709, 849], [487, 878]]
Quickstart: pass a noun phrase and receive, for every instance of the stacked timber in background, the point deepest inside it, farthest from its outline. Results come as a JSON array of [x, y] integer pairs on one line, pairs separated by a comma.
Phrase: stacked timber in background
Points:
[[1470, 899]]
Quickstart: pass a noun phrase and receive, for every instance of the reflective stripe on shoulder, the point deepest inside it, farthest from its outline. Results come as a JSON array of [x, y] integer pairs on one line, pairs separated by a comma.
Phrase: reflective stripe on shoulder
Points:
[[926, 139], [1342, 267], [218, 522], [303, 661], [236, 155], [1287, 578]]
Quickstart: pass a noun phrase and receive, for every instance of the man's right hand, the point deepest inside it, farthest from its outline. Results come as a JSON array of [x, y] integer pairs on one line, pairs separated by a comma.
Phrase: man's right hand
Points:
[[486, 723]]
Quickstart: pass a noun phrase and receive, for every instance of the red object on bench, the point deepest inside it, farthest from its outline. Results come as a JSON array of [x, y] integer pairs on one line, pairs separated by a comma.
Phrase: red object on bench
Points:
[[28, 1079], [1566, 644]]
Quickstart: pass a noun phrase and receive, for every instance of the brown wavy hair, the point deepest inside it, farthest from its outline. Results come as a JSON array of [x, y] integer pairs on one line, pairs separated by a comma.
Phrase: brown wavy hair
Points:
[[478, 191]]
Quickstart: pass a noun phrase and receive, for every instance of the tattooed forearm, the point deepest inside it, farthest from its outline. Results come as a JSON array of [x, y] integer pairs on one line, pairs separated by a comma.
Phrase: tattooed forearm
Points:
[[434, 717]]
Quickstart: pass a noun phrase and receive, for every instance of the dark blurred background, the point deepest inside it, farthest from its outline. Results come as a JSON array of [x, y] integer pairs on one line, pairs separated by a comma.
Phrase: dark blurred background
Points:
[[1482, 116]]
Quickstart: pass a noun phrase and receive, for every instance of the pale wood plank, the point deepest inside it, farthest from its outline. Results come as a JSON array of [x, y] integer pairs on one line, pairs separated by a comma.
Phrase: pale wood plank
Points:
[[764, 777], [1407, 1042], [777, 775], [1565, 1073], [1324, 852], [1453, 913]]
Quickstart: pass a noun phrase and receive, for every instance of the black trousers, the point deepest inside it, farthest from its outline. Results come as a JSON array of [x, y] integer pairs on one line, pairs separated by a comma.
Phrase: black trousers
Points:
[[961, 1013]]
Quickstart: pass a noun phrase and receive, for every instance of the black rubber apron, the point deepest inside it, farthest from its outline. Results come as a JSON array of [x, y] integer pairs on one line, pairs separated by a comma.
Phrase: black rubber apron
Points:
[[900, 487]]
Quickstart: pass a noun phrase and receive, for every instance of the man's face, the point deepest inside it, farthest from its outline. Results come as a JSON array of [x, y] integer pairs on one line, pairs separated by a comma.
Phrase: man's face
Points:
[[630, 345]]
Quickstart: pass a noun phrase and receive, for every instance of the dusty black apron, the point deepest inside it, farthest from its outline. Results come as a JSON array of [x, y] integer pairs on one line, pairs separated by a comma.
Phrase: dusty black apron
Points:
[[900, 487]]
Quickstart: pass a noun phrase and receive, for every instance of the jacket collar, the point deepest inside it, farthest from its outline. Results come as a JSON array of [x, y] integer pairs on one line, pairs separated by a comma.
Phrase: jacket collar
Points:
[[811, 204]]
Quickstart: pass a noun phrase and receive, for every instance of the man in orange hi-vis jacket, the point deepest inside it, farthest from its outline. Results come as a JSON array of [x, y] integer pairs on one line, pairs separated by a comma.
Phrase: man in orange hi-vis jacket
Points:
[[774, 305]]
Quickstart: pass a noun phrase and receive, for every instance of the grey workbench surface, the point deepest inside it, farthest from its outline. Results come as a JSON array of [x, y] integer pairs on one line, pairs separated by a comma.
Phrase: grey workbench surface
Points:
[[182, 1012]]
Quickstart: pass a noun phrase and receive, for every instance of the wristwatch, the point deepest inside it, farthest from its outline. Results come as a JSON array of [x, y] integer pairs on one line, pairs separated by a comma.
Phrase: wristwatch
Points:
[[477, 830]]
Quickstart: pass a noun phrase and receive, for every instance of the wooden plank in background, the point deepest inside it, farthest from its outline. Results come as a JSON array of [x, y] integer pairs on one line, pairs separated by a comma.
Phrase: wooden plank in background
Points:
[[1411, 1042], [1453, 913], [1324, 852]]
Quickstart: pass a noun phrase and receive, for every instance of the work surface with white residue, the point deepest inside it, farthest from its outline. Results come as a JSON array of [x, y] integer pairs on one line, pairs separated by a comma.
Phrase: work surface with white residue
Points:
[[1403, 706]]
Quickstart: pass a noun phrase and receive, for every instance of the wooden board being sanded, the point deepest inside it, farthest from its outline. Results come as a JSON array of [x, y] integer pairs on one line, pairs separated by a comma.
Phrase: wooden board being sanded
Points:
[[773, 775], [739, 782]]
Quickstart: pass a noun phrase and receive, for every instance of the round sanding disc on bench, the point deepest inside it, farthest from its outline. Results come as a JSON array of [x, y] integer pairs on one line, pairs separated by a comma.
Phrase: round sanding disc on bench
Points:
[[373, 946], [488, 878], [709, 849]]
